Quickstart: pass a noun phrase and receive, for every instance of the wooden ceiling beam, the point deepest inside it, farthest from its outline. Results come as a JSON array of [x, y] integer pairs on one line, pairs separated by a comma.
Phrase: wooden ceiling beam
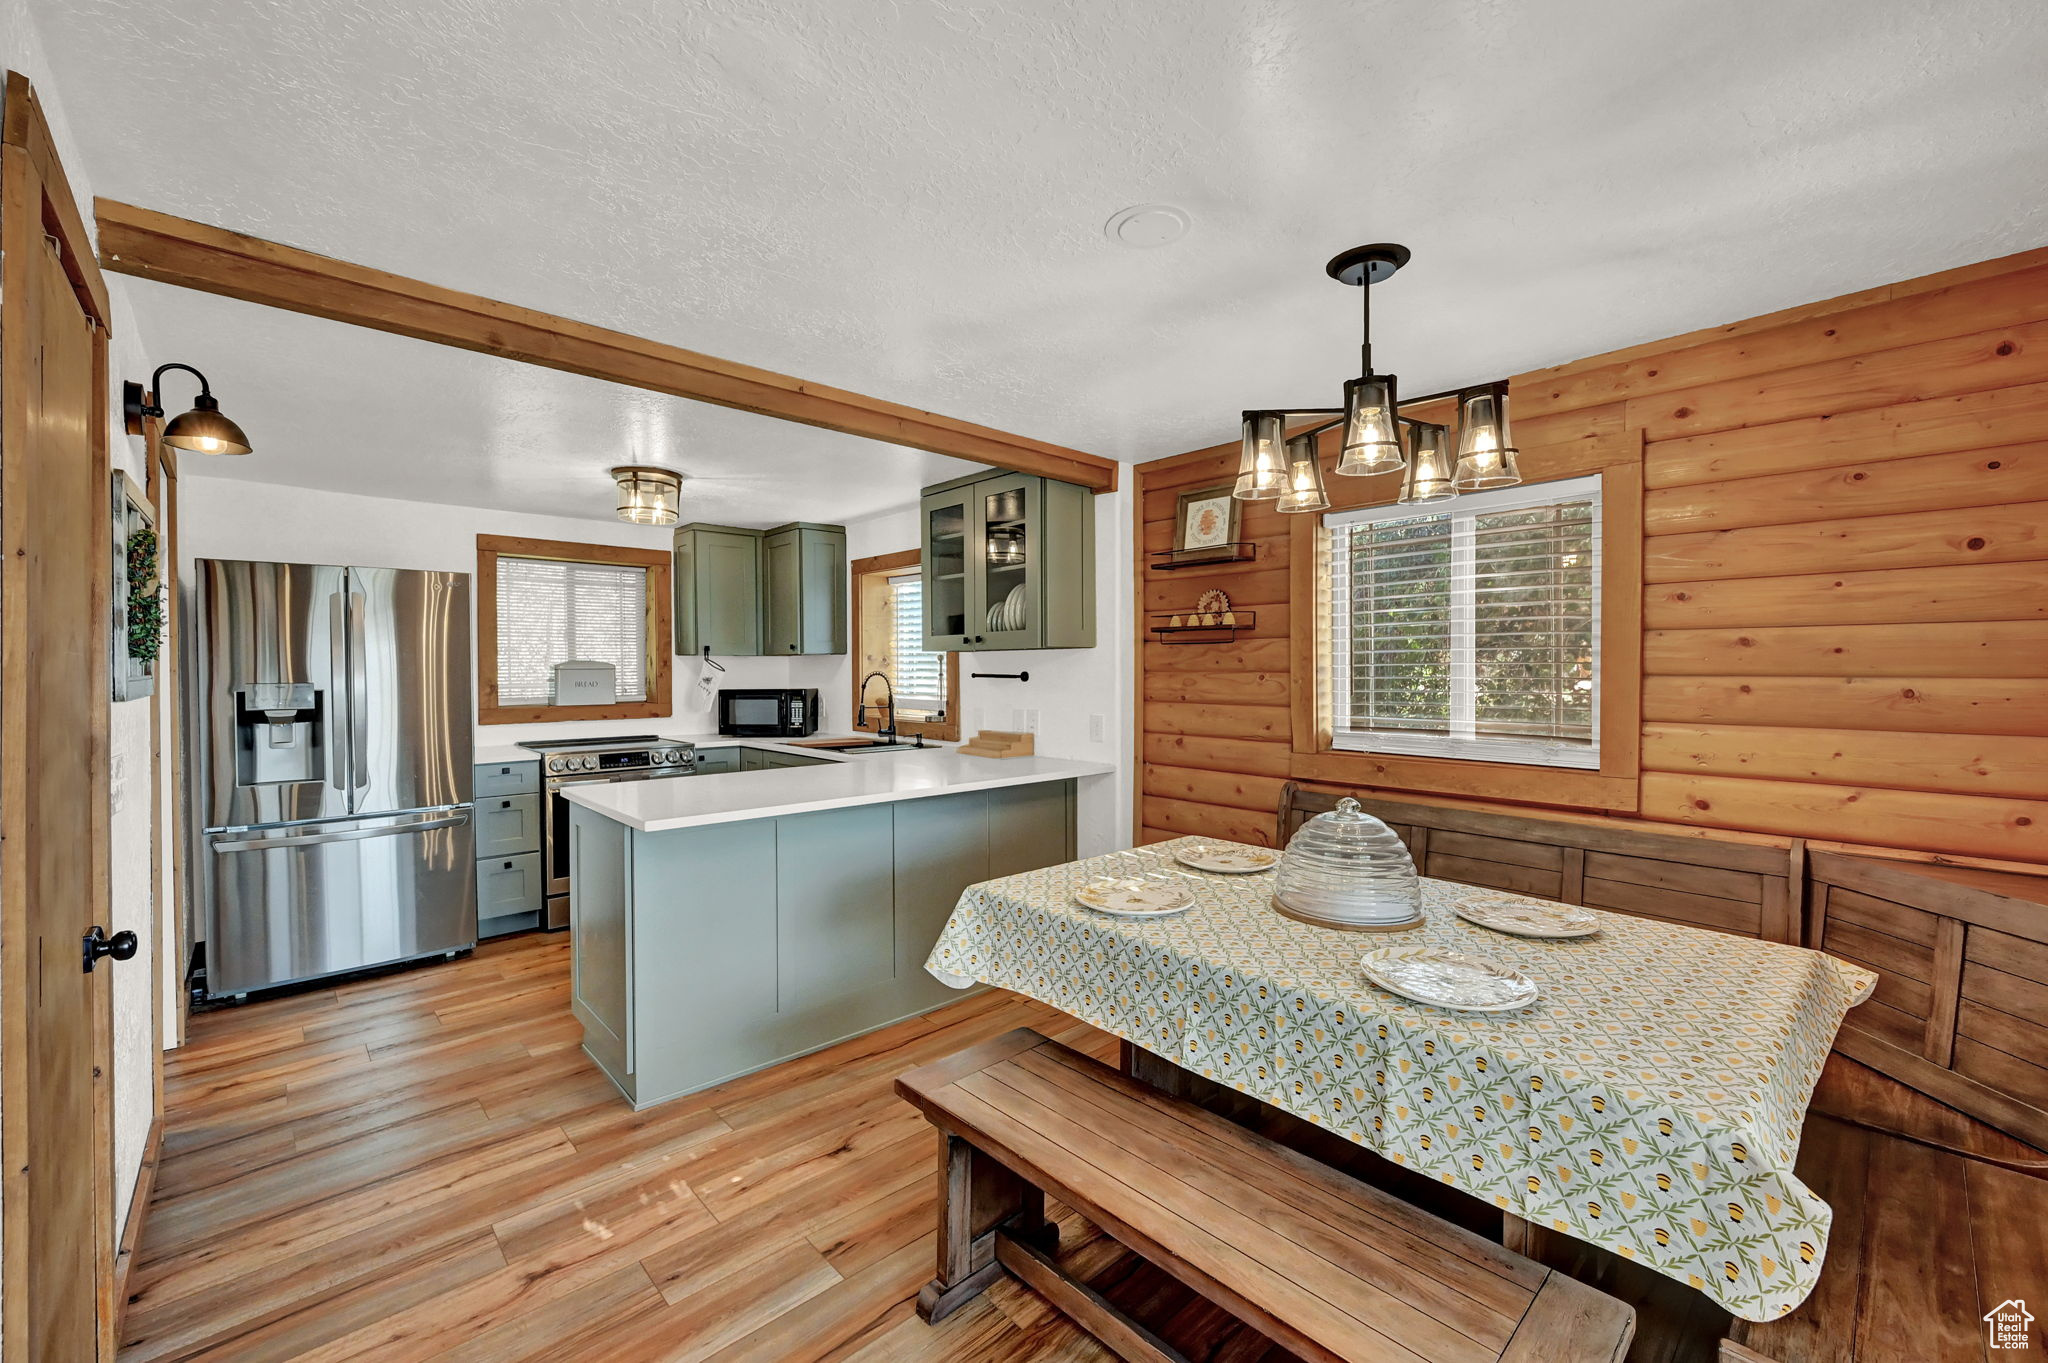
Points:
[[151, 245]]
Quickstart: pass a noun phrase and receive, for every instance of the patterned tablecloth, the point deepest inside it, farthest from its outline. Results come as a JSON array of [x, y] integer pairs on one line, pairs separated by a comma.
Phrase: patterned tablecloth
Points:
[[1649, 1101]]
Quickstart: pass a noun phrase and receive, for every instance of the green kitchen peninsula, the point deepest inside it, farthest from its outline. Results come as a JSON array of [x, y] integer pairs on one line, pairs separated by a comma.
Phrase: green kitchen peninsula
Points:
[[720, 924]]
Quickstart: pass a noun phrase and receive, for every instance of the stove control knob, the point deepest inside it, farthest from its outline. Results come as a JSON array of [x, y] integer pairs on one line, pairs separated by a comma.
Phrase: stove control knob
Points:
[[554, 764], [590, 763]]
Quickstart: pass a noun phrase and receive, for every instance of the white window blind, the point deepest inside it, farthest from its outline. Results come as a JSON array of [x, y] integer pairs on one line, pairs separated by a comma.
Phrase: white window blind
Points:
[[918, 677], [1472, 631], [551, 611]]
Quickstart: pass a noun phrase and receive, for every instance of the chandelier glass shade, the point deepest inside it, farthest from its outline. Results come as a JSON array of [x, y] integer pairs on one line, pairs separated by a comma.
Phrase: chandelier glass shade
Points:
[[1376, 438], [1372, 434], [1429, 463], [1304, 490], [648, 495], [1260, 475], [1486, 455]]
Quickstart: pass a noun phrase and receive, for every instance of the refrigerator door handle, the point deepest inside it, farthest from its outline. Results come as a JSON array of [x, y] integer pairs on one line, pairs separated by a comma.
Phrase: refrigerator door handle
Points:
[[358, 694], [345, 835], [338, 719]]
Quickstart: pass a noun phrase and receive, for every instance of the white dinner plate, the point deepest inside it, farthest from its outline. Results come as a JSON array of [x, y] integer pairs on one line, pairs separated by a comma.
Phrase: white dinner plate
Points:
[[1228, 859], [1526, 918], [1448, 979], [1127, 899]]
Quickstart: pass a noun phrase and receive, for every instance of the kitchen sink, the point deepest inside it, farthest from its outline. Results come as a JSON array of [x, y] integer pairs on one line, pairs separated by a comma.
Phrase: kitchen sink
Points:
[[860, 745]]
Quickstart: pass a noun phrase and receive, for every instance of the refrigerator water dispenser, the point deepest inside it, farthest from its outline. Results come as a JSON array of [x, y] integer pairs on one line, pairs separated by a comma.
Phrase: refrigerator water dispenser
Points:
[[280, 733]]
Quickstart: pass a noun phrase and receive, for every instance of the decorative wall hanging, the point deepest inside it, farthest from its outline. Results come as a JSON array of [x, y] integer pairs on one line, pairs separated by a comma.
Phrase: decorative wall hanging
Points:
[[1205, 527], [1213, 620], [1285, 465], [138, 596]]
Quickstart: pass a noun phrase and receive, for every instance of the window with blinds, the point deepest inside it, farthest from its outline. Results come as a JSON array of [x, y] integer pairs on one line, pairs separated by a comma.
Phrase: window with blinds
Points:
[[552, 611], [1472, 631], [918, 677]]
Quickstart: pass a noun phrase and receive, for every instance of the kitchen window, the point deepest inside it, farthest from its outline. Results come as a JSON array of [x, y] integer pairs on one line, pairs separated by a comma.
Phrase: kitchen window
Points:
[[545, 602], [888, 618], [1470, 631]]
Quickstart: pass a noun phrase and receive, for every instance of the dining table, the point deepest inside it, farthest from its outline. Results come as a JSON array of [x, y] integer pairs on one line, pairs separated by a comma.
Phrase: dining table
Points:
[[1650, 1100]]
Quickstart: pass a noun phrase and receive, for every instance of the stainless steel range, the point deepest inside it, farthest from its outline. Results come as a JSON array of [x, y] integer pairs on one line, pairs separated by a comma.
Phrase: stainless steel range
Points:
[[573, 761]]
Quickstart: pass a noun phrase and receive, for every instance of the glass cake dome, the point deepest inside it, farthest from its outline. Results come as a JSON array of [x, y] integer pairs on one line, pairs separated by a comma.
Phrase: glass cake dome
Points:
[[1346, 869]]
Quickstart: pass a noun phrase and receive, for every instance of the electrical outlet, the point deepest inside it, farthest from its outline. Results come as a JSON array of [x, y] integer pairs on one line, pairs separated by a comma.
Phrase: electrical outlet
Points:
[[1098, 729], [1030, 721]]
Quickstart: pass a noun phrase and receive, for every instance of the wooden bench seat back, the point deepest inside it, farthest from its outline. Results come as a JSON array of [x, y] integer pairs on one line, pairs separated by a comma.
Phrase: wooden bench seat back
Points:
[[1326, 1266], [1730, 887], [1961, 1008]]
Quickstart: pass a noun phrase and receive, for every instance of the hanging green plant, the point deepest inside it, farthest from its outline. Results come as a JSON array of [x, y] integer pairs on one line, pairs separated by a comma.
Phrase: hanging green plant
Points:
[[145, 598]]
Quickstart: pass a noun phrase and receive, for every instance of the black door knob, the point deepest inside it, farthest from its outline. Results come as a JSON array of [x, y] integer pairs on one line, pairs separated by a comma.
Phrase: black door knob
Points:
[[121, 946]]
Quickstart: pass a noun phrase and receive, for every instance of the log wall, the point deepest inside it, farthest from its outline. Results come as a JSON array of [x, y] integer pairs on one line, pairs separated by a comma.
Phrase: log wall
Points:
[[1845, 556]]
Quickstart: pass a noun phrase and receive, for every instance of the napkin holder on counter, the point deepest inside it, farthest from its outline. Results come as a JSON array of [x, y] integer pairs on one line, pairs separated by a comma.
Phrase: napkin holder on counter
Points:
[[999, 743]]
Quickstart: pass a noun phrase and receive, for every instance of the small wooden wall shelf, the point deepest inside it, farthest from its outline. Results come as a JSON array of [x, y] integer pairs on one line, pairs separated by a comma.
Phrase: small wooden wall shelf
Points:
[[1173, 560], [1188, 633]]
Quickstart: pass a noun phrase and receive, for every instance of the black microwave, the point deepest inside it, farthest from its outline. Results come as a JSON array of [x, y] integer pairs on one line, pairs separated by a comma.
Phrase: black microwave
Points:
[[788, 713]]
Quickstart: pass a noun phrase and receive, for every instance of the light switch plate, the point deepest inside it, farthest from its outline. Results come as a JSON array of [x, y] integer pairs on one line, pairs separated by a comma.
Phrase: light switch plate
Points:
[[1098, 729]]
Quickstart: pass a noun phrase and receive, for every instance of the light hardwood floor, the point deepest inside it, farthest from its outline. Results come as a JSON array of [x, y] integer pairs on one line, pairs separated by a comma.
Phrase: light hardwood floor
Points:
[[425, 1166]]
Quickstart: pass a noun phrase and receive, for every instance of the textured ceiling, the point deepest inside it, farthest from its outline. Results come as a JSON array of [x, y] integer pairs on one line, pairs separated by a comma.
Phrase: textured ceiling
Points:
[[333, 406], [906, 199]]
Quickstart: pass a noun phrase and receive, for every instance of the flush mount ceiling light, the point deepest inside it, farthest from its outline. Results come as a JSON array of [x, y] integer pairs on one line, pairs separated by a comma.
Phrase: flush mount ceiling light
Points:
[[203, 430], [1282, 465], [648, 495]]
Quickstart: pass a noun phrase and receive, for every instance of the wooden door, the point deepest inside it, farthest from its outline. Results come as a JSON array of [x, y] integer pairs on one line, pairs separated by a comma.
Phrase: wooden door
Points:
[[55, 541]]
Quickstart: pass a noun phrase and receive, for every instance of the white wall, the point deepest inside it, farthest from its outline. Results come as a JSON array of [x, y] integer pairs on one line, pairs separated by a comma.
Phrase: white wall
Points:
[[1069, 687]]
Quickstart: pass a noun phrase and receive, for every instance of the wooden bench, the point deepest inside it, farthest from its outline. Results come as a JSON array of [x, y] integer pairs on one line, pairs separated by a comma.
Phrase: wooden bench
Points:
[[1327, 1267], [1938, 1219], [1625, 867]]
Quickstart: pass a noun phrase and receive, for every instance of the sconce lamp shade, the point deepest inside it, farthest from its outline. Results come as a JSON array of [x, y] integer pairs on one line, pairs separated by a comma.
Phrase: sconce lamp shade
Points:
[[1259, 473], [1372, 437], [1429, 463], [1486, 454], [205, 430], [1304, 490], [648, 495]]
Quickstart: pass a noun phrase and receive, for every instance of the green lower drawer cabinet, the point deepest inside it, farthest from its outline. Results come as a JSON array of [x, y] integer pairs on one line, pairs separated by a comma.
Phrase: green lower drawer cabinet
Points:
[[507, 825], [790, 759], [711, 761], [753, 759], [510, 892]]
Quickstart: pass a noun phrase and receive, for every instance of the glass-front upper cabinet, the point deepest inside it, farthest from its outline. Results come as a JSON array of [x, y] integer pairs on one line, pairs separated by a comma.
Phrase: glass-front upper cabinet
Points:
[[1009, 563]]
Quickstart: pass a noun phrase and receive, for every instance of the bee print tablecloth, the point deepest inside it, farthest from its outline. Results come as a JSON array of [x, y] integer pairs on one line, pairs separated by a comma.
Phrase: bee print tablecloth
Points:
[[1649, 1101]]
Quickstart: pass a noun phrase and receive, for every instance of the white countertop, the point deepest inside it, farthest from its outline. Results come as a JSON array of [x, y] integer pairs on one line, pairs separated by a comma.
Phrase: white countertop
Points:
[[873, 778]]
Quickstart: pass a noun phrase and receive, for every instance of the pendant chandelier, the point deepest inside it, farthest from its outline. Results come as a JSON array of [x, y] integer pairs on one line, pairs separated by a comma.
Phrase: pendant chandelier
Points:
[[1436, 462]]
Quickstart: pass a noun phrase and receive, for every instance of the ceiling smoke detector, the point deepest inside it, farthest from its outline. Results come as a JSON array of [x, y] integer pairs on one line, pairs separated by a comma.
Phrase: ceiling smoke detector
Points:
[[1147, 225]]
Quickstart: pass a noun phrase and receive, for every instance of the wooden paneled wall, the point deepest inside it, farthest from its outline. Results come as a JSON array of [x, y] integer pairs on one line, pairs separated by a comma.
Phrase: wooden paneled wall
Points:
[[1845, 619]]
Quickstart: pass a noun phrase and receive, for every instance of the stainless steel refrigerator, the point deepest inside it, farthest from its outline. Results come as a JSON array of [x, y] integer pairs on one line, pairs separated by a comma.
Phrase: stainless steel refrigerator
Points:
[[331, 737]]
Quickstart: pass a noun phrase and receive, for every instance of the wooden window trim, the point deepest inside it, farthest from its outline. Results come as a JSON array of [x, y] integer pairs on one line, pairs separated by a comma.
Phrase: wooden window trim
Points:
[[1617, 458], [489, 549], [946, 730]]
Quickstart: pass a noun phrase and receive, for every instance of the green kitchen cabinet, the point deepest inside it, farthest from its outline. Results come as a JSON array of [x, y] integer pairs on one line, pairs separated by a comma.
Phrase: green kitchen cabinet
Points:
[[717, 590], [1009, 563], [712, 761], [745, 593], [804, 589], [790, 759], [703, 953]]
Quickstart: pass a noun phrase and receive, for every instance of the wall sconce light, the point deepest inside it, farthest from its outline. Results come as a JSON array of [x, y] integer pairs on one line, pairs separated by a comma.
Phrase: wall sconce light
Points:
[[648, 495], [203, 430]]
